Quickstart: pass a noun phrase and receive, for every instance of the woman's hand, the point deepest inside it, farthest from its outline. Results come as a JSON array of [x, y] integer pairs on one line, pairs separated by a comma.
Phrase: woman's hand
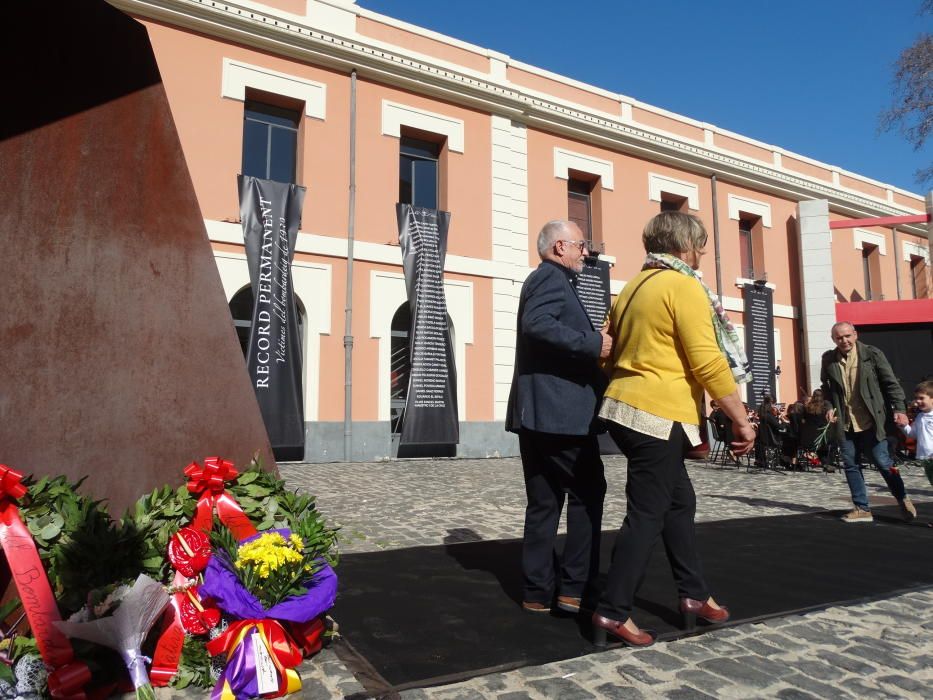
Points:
[[744, 440]]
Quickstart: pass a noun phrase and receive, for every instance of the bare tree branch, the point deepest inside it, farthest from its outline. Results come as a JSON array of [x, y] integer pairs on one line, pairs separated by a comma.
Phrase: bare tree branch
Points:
[[911, 112]]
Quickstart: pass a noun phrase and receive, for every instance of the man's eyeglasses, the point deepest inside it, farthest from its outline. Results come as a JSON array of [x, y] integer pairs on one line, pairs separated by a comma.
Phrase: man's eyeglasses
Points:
[[579, 244]]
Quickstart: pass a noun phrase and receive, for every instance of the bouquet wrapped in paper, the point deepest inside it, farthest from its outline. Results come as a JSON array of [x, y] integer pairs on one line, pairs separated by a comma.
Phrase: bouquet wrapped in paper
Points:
[[126, 628]]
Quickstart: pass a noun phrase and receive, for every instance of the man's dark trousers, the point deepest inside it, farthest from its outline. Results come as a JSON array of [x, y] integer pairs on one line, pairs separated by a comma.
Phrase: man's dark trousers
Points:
[[554, 465], [553, 402]]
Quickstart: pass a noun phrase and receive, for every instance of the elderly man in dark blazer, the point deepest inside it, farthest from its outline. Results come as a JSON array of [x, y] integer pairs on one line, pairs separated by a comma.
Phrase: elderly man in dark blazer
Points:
[[859, 383], [555, 395]]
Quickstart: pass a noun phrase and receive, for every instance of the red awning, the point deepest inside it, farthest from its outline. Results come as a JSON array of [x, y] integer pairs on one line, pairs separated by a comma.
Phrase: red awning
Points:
[[876, 313]]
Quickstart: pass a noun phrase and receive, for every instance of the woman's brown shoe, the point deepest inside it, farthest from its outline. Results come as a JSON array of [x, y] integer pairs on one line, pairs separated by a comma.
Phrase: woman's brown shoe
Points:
[[603, 626], [692, 609]]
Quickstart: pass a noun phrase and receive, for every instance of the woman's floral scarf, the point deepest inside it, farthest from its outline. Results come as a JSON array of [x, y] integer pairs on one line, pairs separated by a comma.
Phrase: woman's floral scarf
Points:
[[726, 336]]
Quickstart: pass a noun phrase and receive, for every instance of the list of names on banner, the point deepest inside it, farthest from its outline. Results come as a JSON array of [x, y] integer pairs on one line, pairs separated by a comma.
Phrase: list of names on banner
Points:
[[429, 371], [759, 340], [593, 290]]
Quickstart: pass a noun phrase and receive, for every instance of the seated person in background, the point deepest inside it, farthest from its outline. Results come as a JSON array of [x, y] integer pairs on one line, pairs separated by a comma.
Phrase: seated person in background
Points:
[[791, 441], [812, 422], [769, 430], [723, 425]]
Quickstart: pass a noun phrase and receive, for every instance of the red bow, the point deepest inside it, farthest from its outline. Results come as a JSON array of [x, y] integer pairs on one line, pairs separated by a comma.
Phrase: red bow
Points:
[[282, 646], [211, 476], [10, 484]]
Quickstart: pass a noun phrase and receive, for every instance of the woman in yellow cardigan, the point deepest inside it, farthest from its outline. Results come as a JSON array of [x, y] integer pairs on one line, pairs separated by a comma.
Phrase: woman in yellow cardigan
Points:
[[672, 340]]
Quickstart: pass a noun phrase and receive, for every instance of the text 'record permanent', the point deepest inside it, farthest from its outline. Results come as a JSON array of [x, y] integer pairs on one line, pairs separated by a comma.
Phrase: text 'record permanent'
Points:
[[271, 212], [431, 408], [759, 340]]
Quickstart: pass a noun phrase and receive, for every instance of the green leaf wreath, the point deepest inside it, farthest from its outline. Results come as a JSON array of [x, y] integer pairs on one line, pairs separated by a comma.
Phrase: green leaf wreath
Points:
[[86, 552]]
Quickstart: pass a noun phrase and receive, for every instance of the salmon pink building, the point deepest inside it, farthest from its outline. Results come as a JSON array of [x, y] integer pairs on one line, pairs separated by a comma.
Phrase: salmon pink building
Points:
[[366, 111]]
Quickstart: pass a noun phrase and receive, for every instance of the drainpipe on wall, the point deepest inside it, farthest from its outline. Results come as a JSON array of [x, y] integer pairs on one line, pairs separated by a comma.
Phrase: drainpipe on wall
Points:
[[897, 263], [348, 311], [716, 238]]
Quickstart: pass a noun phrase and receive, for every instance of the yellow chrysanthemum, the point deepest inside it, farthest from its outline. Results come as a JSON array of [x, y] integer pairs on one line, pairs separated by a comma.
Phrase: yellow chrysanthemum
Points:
[[268, 553]]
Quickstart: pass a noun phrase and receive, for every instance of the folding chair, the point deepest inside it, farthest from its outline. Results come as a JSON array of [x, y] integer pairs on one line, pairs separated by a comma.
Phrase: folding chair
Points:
[[719, 450]]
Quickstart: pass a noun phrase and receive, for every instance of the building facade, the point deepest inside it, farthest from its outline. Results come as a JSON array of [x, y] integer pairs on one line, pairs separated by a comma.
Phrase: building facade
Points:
[[280, 89]]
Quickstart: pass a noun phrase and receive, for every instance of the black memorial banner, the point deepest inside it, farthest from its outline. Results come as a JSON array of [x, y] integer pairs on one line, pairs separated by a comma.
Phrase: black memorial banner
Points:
[[431, 404], [593, 289], [270, 213], [759, 340]]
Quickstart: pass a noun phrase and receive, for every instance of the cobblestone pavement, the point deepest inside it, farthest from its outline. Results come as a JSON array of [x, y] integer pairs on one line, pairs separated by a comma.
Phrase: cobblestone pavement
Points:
[[881, 649], [876, 650], [388, 505]]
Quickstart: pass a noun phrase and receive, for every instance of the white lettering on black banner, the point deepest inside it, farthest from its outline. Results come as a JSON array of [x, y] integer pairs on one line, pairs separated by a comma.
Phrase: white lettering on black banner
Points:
[[759, 340], [270, 212], [431, 408]]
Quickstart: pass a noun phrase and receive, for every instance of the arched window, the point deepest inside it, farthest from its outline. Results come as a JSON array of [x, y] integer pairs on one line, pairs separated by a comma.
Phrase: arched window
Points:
[[399, 366], [241, 308], [400, 371]]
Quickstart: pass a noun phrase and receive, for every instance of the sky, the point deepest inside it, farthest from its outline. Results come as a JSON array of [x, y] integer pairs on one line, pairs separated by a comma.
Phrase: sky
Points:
[[810, 76]]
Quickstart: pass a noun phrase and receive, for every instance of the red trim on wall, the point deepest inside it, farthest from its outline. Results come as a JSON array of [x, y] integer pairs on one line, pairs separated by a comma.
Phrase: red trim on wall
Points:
[[881, 221], [875, 313]]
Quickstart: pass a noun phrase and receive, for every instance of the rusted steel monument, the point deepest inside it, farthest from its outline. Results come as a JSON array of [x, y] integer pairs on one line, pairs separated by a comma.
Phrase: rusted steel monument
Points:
[[118, 356]]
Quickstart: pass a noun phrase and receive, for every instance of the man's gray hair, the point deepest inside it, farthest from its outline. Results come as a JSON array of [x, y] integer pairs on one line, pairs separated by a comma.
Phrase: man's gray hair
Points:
[[550, 233], [840, 324]]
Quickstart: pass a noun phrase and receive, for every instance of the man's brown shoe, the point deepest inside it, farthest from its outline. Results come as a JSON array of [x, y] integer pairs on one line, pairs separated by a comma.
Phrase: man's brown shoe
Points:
[[857, 515], [531, 606], [908, 510], [568, 603]]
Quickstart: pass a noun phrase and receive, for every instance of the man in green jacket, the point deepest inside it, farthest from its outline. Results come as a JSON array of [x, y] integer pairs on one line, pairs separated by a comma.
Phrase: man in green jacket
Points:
[[859, 383]]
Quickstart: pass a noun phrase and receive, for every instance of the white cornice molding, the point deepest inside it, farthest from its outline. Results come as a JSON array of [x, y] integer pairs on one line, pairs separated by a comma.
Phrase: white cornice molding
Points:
[[237, 76], [915, 250], [395, 116], [291, 39], [659, 184], [860, 236], [333, 247], [738, 204], [565, 161], [737, 305]]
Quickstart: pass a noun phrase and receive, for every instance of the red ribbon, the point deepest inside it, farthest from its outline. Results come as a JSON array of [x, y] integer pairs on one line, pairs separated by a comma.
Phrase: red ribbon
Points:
[[67, 677], [283, 648], [308, 634], [286, 655], [168, 647]]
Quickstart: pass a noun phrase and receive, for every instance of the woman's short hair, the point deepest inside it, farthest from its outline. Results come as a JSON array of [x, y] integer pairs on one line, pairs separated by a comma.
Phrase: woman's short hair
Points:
[[673, 232]]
